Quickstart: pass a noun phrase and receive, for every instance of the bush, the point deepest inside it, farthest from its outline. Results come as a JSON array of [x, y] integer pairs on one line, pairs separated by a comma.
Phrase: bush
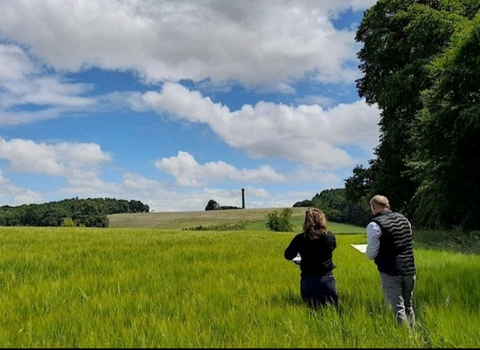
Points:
[[280, 222], [68, 222], [212, 205]]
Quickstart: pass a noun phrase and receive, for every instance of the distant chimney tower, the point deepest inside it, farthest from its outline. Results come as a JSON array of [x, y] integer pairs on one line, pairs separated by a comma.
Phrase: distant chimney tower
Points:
[[243, 198]]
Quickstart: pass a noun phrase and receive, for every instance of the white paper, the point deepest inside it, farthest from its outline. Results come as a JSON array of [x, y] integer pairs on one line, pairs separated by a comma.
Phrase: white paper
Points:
[[360, 247]]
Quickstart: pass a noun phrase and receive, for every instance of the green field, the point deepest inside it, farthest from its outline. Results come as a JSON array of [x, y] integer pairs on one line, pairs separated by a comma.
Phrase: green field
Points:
[[164, 288], [253, 219]]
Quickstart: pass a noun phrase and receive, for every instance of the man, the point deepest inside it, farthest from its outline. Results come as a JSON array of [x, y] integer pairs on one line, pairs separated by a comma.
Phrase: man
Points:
[[389, 244]]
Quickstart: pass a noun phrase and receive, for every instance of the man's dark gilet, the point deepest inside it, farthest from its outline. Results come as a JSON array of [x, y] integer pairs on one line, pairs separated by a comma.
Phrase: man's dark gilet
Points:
[[395, 255]]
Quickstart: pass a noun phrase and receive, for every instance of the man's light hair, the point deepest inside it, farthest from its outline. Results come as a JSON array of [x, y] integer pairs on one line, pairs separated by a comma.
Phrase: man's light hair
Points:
[[380, 200]]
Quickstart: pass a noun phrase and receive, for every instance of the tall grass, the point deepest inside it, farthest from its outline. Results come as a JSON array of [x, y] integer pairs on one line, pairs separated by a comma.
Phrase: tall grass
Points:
[[80, 287]]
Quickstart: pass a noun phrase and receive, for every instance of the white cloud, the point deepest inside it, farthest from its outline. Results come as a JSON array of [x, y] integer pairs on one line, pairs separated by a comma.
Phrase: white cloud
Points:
[[307, 133], [61, 159], [15, 195], [264, 45], [317, 100], [15, 65], [253, 42], [137, 182], [188, 172], [3, 180], [24, 82]]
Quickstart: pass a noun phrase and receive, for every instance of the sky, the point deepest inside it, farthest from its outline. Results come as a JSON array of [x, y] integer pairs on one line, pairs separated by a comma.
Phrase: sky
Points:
[[177, 102]]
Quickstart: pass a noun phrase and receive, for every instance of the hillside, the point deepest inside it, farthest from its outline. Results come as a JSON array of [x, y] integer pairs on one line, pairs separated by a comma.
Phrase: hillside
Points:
[[254, 219], [179, 220]]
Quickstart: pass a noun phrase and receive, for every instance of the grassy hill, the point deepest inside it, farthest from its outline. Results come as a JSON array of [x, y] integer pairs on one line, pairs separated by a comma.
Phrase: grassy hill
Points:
[[190, 219], [252, 219]]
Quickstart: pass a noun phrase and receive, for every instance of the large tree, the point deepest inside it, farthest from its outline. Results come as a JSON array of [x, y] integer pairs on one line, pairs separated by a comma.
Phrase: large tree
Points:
[[447, 135], [400, 38]]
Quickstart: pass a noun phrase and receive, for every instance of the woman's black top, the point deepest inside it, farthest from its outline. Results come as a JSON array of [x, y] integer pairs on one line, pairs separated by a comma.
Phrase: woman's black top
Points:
[[316, 254]]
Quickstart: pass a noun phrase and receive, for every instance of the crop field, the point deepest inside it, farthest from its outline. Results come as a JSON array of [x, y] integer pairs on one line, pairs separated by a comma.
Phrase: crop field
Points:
[[163, 288], [215, 219]]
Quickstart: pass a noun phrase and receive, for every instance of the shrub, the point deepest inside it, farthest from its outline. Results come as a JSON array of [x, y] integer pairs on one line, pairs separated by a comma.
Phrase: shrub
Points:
[[68, 222], [280, 222]]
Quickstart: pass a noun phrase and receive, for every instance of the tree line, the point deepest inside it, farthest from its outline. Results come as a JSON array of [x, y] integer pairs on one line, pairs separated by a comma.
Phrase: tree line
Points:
[[337, 208], [90, 212], [421, 66], [420, 61]]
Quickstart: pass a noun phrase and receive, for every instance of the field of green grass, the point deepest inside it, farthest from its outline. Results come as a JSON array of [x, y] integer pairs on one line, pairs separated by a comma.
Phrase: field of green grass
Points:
[[163, 288], [249, 219]]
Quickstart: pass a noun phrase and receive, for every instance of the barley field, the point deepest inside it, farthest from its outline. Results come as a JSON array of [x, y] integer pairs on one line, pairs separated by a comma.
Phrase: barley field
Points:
[[163, 288]]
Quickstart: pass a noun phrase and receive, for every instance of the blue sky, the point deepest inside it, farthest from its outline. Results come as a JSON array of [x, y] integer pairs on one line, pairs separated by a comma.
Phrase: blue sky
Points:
[[174, 103]]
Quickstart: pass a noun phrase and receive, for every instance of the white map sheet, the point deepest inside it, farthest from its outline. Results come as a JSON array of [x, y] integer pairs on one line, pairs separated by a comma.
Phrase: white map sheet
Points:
[[360, 247]]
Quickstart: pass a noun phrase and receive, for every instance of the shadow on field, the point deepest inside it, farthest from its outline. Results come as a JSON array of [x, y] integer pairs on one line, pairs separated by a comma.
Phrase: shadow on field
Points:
[[451, 241], [293, 298], [288, 297]]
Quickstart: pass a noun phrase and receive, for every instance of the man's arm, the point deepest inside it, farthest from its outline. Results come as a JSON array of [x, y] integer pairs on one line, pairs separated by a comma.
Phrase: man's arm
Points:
[[373, 240]]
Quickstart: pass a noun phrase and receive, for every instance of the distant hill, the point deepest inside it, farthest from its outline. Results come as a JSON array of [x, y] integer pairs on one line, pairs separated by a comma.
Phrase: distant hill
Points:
[[185, 220], [215, 220]]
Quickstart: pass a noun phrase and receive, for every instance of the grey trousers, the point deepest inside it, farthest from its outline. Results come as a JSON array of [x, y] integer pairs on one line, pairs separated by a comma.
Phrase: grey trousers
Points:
[[398, 292]]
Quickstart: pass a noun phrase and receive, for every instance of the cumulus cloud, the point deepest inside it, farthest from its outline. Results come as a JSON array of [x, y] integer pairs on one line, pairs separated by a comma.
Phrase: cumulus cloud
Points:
[[51, 159], [213, 45], [251, 42], [25, 82], [307, 133], [188, 172]]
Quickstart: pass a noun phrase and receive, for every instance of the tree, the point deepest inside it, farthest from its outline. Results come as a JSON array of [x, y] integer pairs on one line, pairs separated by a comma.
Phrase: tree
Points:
[[68, 222], [54, 213], [212, 205], [280, 222], [358, 187], [447, 135], [400, 37], [54, 216], [331, 202], [138, 207], [304, 203]]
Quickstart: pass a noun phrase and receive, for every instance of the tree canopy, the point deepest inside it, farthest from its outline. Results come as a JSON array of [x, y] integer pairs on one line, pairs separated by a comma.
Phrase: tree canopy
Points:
[[420, 64], [90, 212]]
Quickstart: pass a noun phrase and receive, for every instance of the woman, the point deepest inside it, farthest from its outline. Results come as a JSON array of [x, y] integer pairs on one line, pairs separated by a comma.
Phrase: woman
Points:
[[315, 246]]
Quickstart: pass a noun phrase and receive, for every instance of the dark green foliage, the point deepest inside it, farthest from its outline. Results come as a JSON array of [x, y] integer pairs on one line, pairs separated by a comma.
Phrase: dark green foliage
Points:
[[305, 203], [212, 205], [280, 222], [135, 206], [358, 187], [357, 214], [52, 216], [447, 135], [93, 221], [399, 38], [465, 242], [331, 202], [223, 227], [90, 212], [337, 206], [68, 222], [420, 62]]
